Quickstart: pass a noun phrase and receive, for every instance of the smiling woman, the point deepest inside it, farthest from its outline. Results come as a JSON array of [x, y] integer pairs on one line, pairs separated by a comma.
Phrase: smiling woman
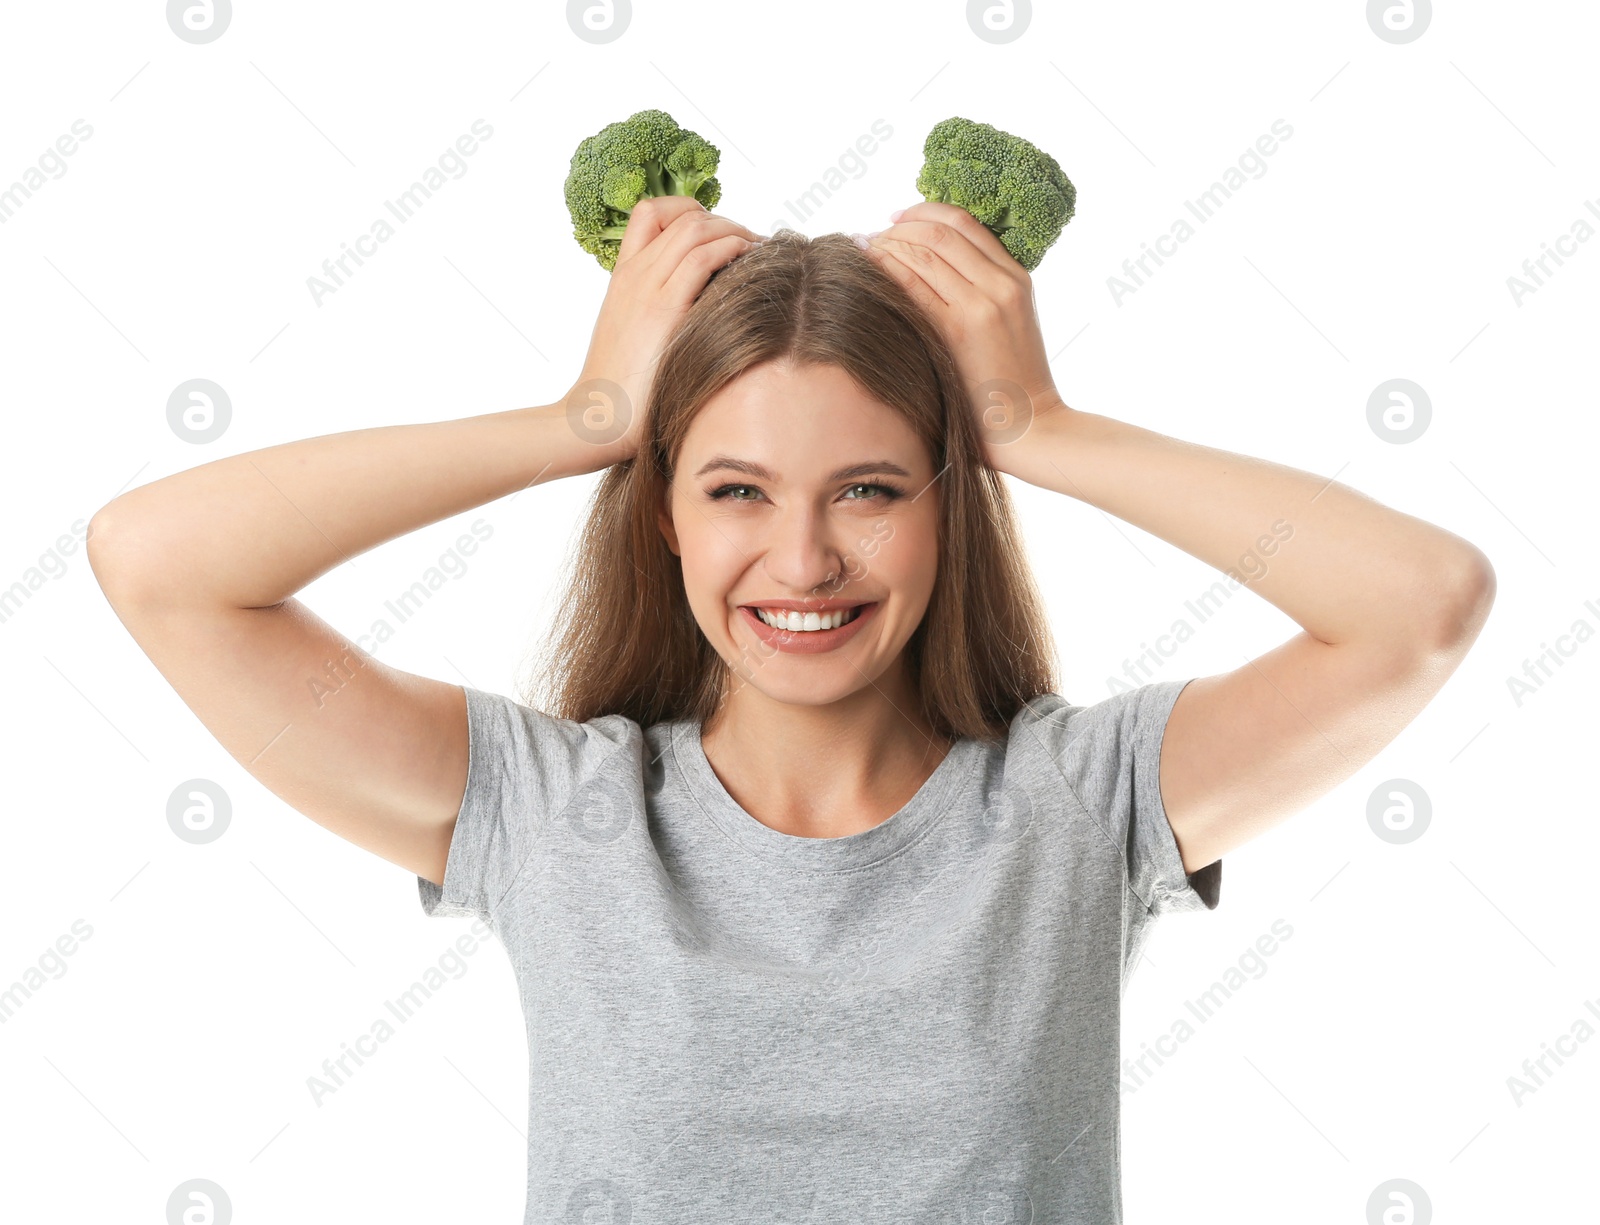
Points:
[[837, 917]]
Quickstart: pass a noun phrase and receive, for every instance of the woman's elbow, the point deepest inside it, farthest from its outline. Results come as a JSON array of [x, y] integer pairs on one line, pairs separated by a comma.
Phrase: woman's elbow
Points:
[[1465, 596]]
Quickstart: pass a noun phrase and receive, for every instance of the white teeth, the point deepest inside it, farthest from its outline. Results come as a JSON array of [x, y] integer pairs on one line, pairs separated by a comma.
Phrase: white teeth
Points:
[[803, 622]]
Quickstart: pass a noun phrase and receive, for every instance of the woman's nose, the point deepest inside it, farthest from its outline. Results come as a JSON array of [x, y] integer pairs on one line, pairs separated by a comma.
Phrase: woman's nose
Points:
[[802, 551]]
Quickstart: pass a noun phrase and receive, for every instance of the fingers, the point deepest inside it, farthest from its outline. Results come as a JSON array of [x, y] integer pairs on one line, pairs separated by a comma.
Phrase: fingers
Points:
[[964, 223], [910, 280], [952, 262], [692, 272], [649, 217], [931, 281], [681, 260], [676, 224]]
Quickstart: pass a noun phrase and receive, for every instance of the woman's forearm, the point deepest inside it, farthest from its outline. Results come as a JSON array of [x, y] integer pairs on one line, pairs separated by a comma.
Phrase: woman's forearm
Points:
[[250, 530], [1345, 567]]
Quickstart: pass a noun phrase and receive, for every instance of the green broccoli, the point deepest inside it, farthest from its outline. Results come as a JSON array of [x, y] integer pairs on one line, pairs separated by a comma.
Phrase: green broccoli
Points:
[[646, 154], [1015, 189]]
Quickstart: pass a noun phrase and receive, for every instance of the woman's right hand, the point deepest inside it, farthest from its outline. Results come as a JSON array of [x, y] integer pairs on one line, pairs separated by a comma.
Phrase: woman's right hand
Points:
[[671, 248]]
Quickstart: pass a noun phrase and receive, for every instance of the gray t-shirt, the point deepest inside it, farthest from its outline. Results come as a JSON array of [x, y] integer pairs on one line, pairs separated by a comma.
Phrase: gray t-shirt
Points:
[[918, 1023]]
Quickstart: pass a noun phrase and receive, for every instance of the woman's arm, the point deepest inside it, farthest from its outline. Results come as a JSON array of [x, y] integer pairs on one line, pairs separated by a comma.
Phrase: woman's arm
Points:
[[250, 530], [1389, 604], [1345, 567], [202, 566]]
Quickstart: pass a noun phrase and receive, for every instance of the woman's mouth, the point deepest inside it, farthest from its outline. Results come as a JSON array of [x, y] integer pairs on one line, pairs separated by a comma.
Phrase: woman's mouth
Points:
[[806, 633], [807, 623]]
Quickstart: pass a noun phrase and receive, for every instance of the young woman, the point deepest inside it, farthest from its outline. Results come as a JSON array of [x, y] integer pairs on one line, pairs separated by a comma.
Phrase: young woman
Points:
[[807, 921]]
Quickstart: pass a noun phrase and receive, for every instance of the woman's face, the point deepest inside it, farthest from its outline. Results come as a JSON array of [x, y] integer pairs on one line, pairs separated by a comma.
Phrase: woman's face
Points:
[[836, 504]]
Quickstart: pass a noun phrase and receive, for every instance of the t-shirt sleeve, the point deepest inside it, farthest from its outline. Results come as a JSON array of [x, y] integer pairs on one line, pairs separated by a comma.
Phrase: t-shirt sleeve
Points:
[[1109, 754], [523, 767]]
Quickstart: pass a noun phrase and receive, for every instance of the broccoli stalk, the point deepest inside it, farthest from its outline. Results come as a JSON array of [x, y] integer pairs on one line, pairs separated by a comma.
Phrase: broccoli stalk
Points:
[[1014, 188], [645, 155]]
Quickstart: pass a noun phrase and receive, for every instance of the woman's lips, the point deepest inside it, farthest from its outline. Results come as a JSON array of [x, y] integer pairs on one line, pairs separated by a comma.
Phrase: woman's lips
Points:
[[807, 642]]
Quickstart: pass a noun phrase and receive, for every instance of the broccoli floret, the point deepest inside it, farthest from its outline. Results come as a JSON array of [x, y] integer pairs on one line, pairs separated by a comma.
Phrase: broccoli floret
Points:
[[1015, 189], [646, 154]]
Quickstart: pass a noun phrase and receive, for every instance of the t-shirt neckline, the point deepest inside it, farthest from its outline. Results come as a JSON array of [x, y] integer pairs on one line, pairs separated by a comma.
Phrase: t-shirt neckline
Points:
[[850, 852]]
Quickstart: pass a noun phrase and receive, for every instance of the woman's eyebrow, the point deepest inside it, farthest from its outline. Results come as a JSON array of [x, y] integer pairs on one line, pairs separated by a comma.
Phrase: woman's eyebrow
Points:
[[751, 468]]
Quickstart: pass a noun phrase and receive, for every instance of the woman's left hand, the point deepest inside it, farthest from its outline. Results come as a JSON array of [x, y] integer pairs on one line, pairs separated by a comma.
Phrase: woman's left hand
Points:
[[982, 300]]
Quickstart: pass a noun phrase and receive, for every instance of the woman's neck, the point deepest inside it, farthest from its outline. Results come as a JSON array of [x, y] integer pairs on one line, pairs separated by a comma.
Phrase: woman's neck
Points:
[[822, 771]]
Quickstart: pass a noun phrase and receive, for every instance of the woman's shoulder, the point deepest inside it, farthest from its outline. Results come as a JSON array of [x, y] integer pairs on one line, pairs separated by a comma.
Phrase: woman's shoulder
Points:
[[519, 734], [1075, 730], [1119, 703]]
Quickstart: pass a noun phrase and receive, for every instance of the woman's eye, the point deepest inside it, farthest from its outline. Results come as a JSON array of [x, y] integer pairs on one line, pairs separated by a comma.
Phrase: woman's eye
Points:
[[886, 492]]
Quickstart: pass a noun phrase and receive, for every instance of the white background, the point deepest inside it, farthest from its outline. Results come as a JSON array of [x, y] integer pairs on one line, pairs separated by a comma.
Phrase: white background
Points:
[[1378, 1044]]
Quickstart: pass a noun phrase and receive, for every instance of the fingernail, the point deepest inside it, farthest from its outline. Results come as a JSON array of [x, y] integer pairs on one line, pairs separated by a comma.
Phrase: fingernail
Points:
[[860, 240], [897, 214]]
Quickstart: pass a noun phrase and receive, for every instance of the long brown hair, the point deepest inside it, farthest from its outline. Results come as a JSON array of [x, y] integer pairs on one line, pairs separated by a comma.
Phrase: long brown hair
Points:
[[983, 648]]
